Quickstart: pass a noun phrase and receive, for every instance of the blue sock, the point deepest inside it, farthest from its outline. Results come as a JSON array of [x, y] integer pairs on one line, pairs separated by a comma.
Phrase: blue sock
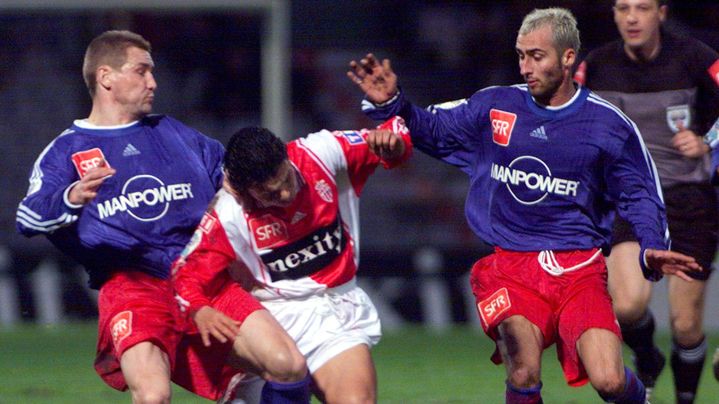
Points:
[[286, 393], [634, 392], [530, 395]]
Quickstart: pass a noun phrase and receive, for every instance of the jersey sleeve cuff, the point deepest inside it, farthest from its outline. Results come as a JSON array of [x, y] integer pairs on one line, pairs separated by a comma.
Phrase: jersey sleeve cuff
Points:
[[65, 197], [385, 110], [388, 102], [649, 273]]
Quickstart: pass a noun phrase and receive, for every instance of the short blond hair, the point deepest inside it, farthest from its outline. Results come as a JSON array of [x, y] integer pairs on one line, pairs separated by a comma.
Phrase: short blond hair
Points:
[[565, 34]]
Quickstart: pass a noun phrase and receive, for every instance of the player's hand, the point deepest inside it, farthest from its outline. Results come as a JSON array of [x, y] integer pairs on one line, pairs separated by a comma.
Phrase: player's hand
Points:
[[213, 322], [378, 81], [85, 190], [671, 263], [385, 144], [689, 144]]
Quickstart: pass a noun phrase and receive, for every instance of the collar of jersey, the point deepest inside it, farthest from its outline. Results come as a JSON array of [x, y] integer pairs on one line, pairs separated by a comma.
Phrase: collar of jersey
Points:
[[84, 126], [567, 108]]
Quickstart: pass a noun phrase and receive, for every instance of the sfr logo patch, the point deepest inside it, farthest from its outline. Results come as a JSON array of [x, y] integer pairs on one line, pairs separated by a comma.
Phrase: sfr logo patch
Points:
[[268, 231], [502, 126], [88, 159], [121, 327], [491, 307]]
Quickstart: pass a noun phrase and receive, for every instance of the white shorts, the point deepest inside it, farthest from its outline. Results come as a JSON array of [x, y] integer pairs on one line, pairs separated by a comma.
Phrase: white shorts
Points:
[[329, 323]]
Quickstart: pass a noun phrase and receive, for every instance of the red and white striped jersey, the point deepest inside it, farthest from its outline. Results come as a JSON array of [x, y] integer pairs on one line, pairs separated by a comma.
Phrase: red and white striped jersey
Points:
[[290, 252]]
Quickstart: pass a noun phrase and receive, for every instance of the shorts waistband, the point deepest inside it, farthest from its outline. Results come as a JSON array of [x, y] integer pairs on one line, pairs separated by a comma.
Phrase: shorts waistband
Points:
[[344, 288]]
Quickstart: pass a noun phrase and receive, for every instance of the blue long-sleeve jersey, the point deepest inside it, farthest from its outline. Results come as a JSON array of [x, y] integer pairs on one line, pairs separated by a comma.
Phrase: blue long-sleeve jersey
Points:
[[542, 178], [142, 217]]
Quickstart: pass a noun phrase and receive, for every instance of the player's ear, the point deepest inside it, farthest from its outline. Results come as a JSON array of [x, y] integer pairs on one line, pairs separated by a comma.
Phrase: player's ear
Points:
[[103, 76], [569, 56], [663, 13]]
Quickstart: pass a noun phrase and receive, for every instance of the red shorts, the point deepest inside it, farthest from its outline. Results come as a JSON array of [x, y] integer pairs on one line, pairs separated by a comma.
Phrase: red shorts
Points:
[[509, 283], [135, 307], [203, 370]]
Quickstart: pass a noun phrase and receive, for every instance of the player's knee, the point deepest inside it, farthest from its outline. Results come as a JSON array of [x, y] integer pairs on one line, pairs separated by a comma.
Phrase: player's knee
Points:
[[287, 365], [629, 311], [687, 330], [151, 395], [524, 377], [608, 383]]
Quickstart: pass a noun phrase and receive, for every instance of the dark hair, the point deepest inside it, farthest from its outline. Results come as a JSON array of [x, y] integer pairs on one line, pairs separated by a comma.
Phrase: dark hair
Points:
[[253, 156], [659, 2], [109, 48]]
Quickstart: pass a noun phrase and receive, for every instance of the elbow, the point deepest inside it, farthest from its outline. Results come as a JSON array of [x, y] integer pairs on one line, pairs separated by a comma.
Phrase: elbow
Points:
[[24, 230]]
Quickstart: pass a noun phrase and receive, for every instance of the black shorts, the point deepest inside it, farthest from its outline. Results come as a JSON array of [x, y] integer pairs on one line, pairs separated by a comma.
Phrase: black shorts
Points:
[[693, 217]]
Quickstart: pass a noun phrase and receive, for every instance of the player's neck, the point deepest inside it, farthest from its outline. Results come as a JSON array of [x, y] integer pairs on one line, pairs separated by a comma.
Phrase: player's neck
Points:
[[107, 112], [645, 53], [564, 93], [103, 115]]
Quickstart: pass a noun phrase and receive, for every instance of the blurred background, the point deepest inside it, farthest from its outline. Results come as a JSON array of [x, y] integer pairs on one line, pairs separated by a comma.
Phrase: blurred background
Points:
[[214, 70]]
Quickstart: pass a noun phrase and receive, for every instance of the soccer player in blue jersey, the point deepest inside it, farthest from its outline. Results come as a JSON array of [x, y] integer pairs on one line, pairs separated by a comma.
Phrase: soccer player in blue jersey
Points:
[[548, 163], [122, 192]]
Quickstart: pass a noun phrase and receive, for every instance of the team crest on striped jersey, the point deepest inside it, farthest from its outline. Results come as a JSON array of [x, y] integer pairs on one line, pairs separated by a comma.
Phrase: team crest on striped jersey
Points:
[[324, 191]]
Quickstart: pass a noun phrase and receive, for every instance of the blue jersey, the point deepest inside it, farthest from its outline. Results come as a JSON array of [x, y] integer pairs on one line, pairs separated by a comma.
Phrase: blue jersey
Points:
[[542, 178], [142, 217]]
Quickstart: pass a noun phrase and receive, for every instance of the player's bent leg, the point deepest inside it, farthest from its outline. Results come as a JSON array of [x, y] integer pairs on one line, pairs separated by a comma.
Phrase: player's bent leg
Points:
[[520, 343], [600, 353], [146, 368], [348, 378], [267, 348], [686, 302], [630, 292]]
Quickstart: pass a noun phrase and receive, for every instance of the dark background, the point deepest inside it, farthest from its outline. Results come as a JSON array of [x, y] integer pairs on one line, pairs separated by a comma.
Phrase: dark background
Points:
[[208, 69]]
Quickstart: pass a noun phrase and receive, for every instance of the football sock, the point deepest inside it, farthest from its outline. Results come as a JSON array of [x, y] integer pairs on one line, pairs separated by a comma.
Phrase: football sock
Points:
[[286, 393], [530, 395], [639, 336], [687, 364], [633, 393]]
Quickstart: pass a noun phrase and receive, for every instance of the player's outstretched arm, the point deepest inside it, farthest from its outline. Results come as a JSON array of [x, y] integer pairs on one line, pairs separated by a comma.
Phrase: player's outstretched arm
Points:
[[376, 79], [671, 263]]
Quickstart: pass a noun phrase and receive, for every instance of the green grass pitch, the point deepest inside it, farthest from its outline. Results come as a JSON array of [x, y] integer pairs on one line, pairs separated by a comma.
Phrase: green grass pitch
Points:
[[54, 365]]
